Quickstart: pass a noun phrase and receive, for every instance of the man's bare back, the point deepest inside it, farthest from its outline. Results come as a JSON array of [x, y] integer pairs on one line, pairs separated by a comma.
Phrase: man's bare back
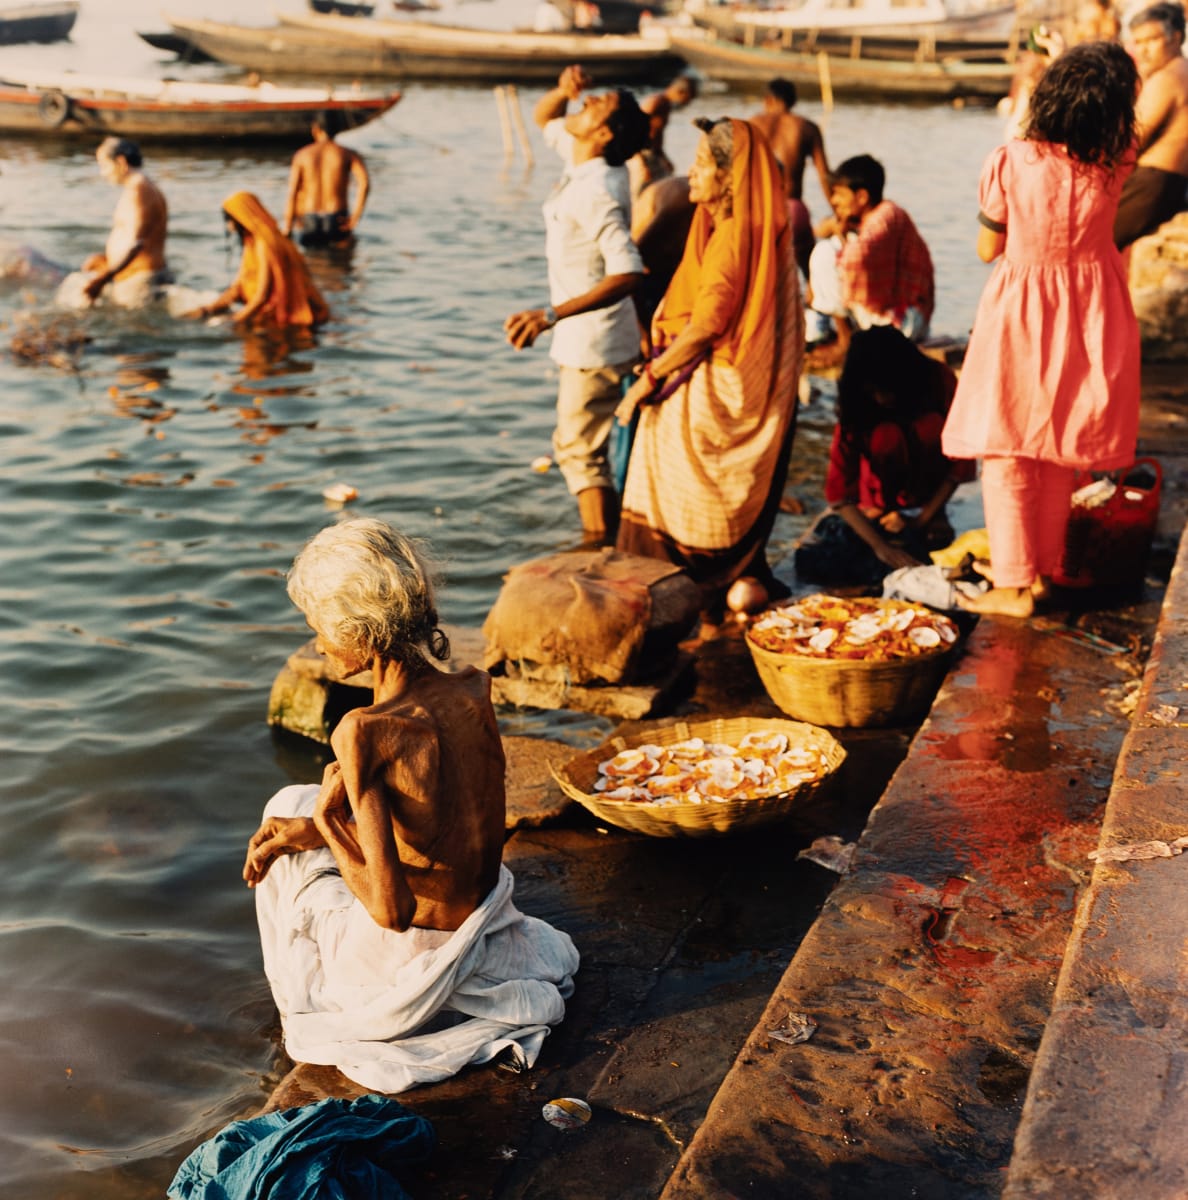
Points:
[[794, 140], [429, 756], [414, 809], [319, 184]]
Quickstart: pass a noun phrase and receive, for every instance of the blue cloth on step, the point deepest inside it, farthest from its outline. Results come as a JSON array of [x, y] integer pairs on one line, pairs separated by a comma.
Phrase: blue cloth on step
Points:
[[332, 1150]]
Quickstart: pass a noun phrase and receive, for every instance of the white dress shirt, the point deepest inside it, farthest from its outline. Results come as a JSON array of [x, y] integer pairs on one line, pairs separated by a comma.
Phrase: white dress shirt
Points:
[[587, 238]]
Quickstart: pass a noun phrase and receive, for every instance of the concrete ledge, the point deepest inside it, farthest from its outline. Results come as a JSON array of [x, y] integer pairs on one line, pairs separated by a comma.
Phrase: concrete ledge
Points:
[[930, 969], [1107, 1103]]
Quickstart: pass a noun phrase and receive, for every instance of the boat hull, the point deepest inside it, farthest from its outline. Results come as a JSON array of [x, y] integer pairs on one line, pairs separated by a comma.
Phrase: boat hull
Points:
[[944, 79], [174, 43], [68, 113], [986, 34], [330, 47], [342, 8], [37, 23]]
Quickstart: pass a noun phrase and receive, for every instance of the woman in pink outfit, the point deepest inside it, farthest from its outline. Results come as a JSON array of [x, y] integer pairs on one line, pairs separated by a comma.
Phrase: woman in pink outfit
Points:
[[1051, 378]]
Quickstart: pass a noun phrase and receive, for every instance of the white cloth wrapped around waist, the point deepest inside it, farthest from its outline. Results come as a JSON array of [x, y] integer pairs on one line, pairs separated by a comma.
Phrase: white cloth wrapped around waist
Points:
[[394, 1009]]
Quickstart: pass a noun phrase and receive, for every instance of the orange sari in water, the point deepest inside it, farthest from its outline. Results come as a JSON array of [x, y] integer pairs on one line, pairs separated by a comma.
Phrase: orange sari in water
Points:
[[708, 464], [272, 269]]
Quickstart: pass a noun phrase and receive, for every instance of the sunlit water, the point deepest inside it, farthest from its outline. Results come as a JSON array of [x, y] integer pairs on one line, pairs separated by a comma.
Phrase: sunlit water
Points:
[[151, 504]]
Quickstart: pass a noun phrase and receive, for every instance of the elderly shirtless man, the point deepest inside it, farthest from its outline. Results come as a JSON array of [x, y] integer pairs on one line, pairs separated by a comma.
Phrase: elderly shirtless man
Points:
[[1155, 192], [319, 185], [381, 896], [793, 140], [131, 269]]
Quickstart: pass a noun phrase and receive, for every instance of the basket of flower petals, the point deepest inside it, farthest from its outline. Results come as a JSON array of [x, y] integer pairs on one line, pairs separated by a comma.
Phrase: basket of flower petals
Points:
[[851, 661], [697, 779]]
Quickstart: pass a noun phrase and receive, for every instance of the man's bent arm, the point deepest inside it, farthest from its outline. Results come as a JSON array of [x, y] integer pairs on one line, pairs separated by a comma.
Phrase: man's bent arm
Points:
[[295, 177], [1155, 104], [523, 328], [820, 161], [362, 180], [554, 102]]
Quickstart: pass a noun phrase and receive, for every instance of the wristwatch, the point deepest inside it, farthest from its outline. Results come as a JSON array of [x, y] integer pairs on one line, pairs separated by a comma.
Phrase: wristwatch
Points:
[[550, 314]]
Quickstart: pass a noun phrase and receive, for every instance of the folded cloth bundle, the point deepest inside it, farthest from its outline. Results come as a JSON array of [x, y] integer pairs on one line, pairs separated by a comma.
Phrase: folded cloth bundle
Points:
[[323, 1151]]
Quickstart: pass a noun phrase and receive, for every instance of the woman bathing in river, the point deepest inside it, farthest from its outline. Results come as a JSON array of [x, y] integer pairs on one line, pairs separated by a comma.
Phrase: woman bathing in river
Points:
[[386, 917], [273, 282]]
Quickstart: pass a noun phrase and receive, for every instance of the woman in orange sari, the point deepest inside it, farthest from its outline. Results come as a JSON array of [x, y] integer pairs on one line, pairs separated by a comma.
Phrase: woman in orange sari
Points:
[[711, 452], [274, 284]]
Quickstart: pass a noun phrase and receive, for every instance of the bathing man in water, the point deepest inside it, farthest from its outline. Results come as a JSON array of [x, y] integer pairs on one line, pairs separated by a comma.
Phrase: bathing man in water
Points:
[[132, 267], [319, 183]]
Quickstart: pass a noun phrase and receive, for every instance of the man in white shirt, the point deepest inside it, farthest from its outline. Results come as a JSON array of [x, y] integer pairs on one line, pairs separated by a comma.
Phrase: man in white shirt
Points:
[[594, 267]]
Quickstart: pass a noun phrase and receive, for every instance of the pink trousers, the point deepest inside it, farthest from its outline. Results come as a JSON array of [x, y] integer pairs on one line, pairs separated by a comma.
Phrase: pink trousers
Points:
[[1026, 502]]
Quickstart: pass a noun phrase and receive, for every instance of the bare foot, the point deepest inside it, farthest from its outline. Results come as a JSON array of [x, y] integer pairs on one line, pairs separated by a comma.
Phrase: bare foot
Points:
[[1001, 602], [1041, 588], [746, 596]]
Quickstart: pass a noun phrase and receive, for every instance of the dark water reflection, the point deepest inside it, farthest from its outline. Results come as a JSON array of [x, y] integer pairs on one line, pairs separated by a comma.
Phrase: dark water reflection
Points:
[[151, 502]]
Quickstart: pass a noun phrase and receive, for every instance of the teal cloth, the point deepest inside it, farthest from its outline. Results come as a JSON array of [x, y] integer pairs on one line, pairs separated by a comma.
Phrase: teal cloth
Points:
[[332, 1150]]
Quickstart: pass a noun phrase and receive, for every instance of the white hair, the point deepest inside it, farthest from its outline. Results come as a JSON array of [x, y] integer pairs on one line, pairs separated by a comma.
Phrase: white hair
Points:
[[368, 588]]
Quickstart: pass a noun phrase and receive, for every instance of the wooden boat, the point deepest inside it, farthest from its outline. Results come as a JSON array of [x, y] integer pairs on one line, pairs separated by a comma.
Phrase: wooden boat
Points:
[[342, 8], [174, 43], [37, 22], [66, 104], [315, 46], [846, 75], [920, 30]]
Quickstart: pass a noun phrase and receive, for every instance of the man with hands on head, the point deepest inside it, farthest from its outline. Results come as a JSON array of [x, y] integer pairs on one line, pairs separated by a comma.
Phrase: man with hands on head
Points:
[[594, 267]]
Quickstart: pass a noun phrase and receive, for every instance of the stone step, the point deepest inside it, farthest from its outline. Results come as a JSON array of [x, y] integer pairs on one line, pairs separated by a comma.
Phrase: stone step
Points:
[[930, 969], [1108, 1097]]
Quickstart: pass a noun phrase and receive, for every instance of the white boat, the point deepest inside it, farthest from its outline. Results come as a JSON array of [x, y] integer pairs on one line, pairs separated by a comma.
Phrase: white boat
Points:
[[992, 23]]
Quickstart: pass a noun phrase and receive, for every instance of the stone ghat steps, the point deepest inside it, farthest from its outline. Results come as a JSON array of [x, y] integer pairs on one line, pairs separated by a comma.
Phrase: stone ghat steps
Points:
[[952, 973]]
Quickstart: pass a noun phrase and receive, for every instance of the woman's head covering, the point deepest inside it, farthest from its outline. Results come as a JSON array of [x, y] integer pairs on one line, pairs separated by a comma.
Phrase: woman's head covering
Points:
[[293, 298], [759, 228]]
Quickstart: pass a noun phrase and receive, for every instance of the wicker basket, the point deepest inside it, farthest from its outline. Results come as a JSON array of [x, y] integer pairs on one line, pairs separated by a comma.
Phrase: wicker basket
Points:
[[851, 693], [685, 819]]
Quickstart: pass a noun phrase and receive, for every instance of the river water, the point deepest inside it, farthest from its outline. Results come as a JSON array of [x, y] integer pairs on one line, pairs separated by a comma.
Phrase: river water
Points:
[[151, 502]]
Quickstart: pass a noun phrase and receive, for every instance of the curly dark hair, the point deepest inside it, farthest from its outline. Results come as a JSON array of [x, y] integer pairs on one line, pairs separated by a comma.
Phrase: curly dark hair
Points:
[[1085, 102]]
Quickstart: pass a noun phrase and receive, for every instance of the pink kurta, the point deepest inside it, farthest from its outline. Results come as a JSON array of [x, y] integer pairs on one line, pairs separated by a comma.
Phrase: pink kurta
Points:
[[1052, 369]]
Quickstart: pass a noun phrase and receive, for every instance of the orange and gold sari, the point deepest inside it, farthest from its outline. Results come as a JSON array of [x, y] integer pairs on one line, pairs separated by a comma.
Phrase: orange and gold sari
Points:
[[709, 462], [272, 264]]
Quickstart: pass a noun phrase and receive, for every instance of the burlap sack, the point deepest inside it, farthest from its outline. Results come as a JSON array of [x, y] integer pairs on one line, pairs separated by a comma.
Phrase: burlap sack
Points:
[[589, 616]]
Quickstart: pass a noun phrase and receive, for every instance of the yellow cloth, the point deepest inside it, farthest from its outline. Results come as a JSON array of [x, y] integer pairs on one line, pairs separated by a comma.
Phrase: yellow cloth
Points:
[[973, 542], [701, 488], [738, 302], [270, 261]]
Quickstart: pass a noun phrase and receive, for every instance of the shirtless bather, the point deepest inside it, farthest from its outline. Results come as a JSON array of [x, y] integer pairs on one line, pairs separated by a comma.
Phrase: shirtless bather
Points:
[[793, 140], [132, 267], [385, 911], [319, 183], [413, 810]]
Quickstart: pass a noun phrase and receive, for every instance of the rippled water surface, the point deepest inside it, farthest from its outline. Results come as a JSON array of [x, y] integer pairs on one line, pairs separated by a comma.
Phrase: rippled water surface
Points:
[[151, 502]]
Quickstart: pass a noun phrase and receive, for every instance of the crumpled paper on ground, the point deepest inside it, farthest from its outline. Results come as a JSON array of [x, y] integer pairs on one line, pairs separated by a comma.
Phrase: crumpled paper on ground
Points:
[[1133, 851], [830, 852], [794, 1029]]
